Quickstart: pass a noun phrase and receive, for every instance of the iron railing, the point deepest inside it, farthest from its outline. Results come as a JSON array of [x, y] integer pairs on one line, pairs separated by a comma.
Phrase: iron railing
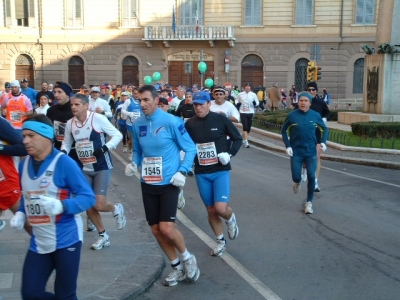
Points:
[[190, 32], [341, 138]]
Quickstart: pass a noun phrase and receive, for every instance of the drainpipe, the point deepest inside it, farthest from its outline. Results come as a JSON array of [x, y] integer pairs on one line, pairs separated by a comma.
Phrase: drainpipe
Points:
[[40, 21], [341, 23]]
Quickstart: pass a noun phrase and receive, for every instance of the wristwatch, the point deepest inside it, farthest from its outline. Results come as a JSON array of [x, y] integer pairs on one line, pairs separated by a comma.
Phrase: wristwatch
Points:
[[183, 173]]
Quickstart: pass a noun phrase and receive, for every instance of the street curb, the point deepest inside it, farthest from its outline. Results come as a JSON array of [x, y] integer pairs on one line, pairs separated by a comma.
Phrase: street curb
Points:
[[357, 161]]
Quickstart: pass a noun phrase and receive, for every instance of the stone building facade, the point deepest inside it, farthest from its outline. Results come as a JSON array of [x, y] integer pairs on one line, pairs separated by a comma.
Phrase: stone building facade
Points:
[[121, 41]]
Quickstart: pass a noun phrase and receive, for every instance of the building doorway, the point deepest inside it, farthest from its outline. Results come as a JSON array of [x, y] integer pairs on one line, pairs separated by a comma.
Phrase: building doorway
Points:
[[76, 72], [24, 69], [252, 70]]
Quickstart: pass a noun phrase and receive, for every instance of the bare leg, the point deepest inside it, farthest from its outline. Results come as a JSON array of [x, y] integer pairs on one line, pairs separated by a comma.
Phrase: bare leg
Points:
[[102, 205], [215, 213], [169, 238]]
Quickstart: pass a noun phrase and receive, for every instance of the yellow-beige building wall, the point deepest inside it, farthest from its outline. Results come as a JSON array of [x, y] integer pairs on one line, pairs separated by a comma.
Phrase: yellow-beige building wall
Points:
[[103, 42]]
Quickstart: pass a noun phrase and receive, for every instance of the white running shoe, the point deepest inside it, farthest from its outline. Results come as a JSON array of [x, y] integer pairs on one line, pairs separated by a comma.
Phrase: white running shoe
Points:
[[119, 216], [2, 224], [308, 209], [191, 269], [219, 248], [174, 277], [304, 175], [317, 189], [181, 200], [246, 144], [125, 149], [102, 241], [89, 225], [296, 187], [233, 229]]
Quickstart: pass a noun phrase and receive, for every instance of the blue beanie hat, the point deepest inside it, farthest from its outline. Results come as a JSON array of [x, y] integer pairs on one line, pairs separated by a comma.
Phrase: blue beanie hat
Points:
[[305, 94]]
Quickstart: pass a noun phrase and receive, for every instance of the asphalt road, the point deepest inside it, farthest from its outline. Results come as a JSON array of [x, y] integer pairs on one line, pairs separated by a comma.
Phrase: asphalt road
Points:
[[347, 249]]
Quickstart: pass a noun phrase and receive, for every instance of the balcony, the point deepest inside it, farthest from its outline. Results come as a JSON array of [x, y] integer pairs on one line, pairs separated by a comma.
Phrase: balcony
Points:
[[208, 33]]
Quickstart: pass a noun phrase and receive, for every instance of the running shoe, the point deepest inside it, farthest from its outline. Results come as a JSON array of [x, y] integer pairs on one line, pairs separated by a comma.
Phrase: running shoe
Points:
[[219, 248], [89, 225], [296, 187], [191, 269], [304, 175], [308, 209], [102, 241], [247, 144], [317, 189], [233, 229], [181, 200], [119, 216], [174, 277], [125, 149], [2, 225]]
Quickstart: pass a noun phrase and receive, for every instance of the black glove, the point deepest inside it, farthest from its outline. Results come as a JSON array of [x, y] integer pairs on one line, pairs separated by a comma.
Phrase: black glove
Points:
[[99, 151], [254, 103]]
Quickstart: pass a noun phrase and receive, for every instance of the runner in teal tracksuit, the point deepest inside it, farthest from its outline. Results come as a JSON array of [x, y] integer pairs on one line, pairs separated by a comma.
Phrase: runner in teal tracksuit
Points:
[[300, 126]]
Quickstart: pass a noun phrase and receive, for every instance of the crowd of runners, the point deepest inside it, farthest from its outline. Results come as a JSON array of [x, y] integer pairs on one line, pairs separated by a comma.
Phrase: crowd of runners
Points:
[[56, 165]]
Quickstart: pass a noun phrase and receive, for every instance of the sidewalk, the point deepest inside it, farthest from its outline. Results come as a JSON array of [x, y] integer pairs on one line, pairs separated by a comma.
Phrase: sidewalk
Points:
[[122, 271]]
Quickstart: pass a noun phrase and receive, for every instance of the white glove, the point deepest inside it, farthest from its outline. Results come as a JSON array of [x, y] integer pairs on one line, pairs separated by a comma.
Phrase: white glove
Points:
[[18, 221], [324, 119], [130, 169], [51, 205], [289, 151], [178, 179], [224, 158], [323, 147]]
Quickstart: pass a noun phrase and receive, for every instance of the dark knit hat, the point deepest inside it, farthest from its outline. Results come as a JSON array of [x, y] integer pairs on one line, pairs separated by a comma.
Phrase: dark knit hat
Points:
[[312, 84]]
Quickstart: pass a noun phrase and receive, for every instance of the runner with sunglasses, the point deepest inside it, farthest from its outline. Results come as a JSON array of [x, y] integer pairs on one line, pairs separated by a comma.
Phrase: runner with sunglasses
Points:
[[319, 105]]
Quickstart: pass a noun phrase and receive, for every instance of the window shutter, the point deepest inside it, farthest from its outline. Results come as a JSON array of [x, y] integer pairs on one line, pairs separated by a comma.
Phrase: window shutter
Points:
[[248, 12], [31, 8], [78, 9], [20, 9], [8, 9], [304, 12], [69, 13], [369, 11]]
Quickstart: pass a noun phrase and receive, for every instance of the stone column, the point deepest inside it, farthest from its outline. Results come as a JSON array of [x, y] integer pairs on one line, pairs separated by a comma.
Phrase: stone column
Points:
[[382, 71]]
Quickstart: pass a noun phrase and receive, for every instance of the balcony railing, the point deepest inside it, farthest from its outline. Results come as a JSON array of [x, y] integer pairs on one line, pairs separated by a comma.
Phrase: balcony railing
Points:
[[210, 33]]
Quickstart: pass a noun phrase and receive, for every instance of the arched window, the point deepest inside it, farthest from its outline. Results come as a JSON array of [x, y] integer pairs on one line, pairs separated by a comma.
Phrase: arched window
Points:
[[24, 69], [130, 70], [252, 70], [76, 72], [358, 76], [300, 74]]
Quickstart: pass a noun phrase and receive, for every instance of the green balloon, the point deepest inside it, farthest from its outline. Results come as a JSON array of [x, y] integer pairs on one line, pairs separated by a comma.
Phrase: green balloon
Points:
[[156, 76], [208, 82], [202, 66], [147, 79]]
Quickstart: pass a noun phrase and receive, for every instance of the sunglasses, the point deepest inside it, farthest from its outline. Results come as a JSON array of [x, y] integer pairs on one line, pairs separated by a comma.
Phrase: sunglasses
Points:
[[311, 90], [219, 94]]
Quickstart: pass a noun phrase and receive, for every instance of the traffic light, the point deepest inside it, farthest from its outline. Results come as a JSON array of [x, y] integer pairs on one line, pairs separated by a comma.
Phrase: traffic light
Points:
[[317, 73], [310, 71]]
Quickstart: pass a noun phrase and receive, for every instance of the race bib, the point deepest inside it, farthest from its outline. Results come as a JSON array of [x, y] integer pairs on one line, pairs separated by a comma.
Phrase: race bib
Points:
[[84, 150], [245, 107], [15, 116], [59, 130], [34, 209], [207, 154], [152, 169]]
